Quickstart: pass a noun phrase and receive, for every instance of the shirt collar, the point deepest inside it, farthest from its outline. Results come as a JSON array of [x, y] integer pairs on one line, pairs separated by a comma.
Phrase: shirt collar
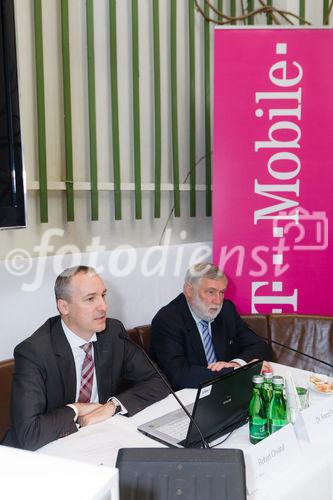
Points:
[[73, 339]]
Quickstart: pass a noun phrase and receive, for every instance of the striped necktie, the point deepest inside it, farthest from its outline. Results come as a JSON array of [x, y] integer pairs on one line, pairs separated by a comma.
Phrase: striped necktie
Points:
[[87, 374], [207, 342]]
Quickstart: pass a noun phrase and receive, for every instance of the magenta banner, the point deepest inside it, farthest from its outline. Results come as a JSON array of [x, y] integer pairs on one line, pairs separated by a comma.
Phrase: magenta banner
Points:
[[273, 168]]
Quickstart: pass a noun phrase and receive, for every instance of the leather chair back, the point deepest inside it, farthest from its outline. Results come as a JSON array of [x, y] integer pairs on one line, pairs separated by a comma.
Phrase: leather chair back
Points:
[[258, 323], [141, 336], [6, 376], [312, 335]]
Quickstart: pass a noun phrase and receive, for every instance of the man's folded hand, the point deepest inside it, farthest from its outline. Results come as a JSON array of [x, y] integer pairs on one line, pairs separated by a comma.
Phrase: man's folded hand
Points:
[[103, 412], [85, 408]]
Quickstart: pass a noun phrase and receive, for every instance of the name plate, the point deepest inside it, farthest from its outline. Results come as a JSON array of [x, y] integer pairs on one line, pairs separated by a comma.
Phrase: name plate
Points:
[[318, 422], [267, 460]]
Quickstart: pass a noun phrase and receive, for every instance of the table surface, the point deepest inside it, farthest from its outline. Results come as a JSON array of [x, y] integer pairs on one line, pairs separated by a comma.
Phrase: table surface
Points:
[[99, 444]]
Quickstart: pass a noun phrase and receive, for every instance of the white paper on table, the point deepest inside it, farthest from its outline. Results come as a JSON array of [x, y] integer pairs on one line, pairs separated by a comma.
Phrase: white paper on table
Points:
[[315, 423], [269, 459], [97, 445]]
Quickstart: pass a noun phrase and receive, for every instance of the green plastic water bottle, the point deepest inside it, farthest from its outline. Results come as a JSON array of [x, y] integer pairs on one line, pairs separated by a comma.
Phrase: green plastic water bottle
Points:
[[277, 413], [258, 425], [267, 390]]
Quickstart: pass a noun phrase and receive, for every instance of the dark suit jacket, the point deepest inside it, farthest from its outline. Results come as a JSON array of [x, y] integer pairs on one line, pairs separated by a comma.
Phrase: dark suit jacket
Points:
[[177, 348], [45, 381]]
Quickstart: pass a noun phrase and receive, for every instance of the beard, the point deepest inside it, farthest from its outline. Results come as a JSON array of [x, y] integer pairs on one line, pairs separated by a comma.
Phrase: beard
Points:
[[202, 310]]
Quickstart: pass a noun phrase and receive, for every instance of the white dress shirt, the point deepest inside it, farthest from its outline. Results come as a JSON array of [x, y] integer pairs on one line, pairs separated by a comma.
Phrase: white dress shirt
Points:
[[197, 320], [78, 353]]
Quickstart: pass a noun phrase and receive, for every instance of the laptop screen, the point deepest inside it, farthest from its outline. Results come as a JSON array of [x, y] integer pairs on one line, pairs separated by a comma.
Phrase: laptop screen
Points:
[[222, 404]]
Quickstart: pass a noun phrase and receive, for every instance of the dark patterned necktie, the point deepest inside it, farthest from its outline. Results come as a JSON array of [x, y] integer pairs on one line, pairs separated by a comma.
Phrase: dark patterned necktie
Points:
[[87, 374], [207, 342]]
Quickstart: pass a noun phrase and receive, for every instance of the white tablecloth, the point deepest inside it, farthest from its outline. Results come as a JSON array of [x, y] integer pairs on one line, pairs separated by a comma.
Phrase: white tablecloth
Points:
[[99, 444]]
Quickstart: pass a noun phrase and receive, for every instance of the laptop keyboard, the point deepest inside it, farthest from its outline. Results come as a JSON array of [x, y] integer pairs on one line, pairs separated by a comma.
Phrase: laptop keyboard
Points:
[[176, 429]]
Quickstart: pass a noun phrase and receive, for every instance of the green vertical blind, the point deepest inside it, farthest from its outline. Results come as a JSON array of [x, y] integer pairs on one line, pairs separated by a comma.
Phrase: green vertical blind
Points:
[[115, 108], [40, 91], [220, 9], [174, 106], [157, 108], [232, 9], [208, 144], [250, 8], [67, 110], [195, 36], [301, 11], [326, 11], [192, 114], [269, 20], [136, 109], [92, 109]]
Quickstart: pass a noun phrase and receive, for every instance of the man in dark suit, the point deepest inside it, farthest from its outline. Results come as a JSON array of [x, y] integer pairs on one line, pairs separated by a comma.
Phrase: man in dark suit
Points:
[[199, 334], [68, 373]]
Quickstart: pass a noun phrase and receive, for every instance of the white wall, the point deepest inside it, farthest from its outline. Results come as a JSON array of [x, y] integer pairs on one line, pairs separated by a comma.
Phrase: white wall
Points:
[[139, 282]]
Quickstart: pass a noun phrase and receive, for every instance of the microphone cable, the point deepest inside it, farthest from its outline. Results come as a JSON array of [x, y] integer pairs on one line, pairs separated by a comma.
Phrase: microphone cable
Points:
[[123, 336], [296, 351]]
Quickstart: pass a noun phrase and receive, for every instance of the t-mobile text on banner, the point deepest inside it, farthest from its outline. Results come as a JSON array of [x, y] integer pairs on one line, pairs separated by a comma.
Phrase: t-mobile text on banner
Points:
[[273, 175]]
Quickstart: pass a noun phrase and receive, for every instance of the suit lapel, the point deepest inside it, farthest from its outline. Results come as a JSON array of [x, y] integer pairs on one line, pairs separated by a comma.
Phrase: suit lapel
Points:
[[65, 361], [192, 331], [102, 357]]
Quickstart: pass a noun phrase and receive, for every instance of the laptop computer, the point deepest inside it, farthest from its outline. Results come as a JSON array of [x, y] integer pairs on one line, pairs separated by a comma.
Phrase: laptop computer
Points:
[[220, 406]]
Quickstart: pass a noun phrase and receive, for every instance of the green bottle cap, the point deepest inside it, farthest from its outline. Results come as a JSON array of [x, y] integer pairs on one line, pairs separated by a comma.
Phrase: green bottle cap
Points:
[[268, 375]]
